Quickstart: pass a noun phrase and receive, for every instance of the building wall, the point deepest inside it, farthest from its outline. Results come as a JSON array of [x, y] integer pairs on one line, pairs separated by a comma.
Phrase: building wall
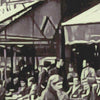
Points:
[[51, 9], [25, 26], [22, 27]]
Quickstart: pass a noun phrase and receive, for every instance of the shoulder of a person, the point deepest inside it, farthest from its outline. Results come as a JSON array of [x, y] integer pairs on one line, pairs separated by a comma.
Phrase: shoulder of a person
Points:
[[91, 68]]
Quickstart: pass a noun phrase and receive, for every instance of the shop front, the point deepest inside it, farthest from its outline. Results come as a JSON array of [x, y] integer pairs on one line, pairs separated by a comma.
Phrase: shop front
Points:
[[82, 38]]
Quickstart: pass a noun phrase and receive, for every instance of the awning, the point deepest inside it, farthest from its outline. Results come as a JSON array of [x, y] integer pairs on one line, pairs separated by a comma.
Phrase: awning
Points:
[[7, 17], [13, 31], [14, 12], [84, 28]]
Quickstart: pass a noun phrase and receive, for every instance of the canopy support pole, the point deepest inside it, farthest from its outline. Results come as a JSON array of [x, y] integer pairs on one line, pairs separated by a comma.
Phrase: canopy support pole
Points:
[[65, 83], [62, 44], [11, 64], [5, 60], [14, 63], [33, 65]]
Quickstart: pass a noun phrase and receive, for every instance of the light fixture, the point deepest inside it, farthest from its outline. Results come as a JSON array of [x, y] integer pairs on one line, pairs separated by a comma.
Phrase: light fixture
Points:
[[20, 46], [3, 46], [74, 49], [97, 53], [77, 53], [94, 54], [95, 47]]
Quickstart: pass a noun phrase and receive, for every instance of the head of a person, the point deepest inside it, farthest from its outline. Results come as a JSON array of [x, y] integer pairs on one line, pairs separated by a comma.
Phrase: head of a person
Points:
[[30, 81], [22, 83], [70, 68], [75, 81], [55, 82], [15, 80], [84, 63], [87, 63], [61, 62], [25, 65]]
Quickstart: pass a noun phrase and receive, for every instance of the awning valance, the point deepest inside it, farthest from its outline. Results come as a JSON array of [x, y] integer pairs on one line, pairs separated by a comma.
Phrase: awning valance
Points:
[[82, 34]]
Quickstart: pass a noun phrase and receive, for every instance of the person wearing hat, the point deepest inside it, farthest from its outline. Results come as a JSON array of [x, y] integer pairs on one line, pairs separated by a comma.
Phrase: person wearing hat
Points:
[[57, 67], [48, 71], [53, 90], [43, 77]]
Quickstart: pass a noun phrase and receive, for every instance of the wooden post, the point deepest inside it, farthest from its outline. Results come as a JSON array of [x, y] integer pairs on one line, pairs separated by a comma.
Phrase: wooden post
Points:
[[11, 64], [14, 61], [33, 63], [5, 60]]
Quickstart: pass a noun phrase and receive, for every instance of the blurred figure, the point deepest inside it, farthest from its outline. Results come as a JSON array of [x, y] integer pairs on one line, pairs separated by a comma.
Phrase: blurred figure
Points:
[[96, 87], [13, 86], [8, 82], [22, 88], [76, 90], [55, 68], [21, 91], [33, 86], [87, 72], [43, 77], [53, 90], [26, 90], [88, 78], [16, 84], [71, 73], [2, 90], [46, 72]]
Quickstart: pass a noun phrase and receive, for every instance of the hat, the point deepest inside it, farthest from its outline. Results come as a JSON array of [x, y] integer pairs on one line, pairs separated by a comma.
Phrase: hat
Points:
[[47, 63]]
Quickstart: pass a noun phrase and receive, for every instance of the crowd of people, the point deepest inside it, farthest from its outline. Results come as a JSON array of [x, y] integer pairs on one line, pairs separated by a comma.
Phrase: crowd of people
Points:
[[51, 82]]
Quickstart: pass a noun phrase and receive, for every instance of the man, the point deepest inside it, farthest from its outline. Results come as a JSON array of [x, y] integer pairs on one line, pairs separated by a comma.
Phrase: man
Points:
[[56, 67], [88, 78], [43, 77], [87, 72]]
